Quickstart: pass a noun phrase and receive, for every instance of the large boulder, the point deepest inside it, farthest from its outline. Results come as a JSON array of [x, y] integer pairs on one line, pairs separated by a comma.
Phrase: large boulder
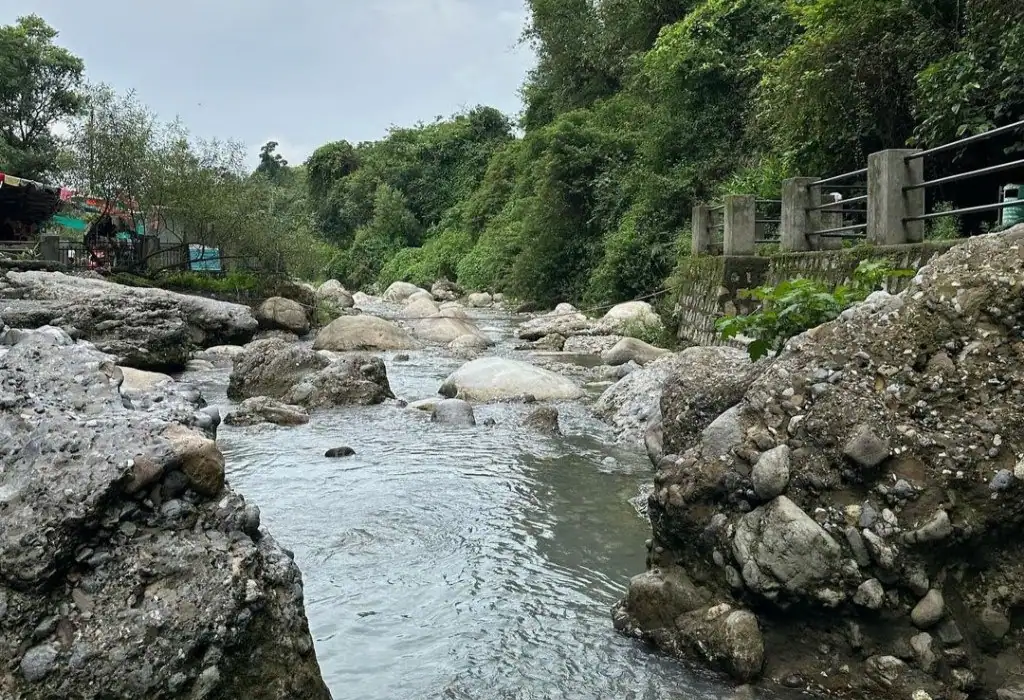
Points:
[[130, 570], [444, 329], [565, 321], [363, 333], [633, 403], [278, 313], [420, 308], [445, 290], [863, 493], [633, 315], [400, 291], [632, 350], [480, 300], [146, 328], [332, 292], [497, 379], [298, 375]]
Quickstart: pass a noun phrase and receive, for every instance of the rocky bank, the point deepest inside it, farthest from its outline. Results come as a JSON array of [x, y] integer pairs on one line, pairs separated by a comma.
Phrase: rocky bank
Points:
[[128, 567], [847, 518]]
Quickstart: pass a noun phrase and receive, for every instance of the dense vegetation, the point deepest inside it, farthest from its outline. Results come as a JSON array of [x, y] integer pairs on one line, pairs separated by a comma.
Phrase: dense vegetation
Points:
[[635, 110]]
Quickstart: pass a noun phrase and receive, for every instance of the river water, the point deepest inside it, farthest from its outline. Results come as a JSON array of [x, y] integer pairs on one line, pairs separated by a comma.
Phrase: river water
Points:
[[464, 563]]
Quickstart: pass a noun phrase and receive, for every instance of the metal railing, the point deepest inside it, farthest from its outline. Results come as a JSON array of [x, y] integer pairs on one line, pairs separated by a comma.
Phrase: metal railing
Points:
[[767, 221], [957, 177], [835, 214]]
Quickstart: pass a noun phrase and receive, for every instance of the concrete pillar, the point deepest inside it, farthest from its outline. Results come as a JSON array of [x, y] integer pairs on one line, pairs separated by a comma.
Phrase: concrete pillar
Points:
[[147, 250], [797, 220], [828, 219], [701, 236], [888, 204], [739, 237], [49, 248]]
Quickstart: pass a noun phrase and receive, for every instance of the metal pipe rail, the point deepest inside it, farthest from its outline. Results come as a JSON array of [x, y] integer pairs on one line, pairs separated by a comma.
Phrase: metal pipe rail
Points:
[[830, 231], [839, 178], [966, 210], [969, 174], [851, 200], [767, 221], [966, 141]]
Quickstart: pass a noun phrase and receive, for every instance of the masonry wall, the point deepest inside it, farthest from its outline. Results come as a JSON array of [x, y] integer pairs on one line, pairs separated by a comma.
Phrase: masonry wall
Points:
[[708, 286]]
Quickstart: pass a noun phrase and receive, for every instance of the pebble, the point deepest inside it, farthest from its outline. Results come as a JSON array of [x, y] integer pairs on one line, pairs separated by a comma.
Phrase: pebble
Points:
[[870, 594], [1002, 480], [903, 489], [38, 662], [929, 610]]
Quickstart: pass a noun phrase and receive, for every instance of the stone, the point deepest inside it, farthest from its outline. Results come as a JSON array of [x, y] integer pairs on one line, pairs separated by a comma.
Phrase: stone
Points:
[[994, 624], [632, 350], [142, 327], [363, 332], [470, 342], [1002, 480], [1011, 693], [497, 379], [771, 473], [338, 452], [453, 412], [929, 610], [632, 314], [730, 640], [886, 671], [263, 409], [400, 291], [870, 594], [278, 313], [722, 435], [137, 382], [782, 549], [543, 420], [446, 329], [76, 552], [334, 293], [419, 307], [445, 290], [480, 300], [37, 662], [866, 448], [921, 644]]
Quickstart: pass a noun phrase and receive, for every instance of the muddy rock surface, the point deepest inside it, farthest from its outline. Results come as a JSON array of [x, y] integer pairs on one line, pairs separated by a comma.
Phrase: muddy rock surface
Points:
[[145, 328], [130, 569], [861, 501]]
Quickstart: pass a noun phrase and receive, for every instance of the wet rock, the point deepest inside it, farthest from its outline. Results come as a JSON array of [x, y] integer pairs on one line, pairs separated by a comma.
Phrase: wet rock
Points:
[[632, 350], [338, 452], [38, 662], [654, 439], [866, 448], [278, 313], [363, 332], [453, 412], [220, 355], [445, 290], [1002, 481], [299, 376], [263, 409], [728, 639], [771, 473], [496, 379], [656, 599], [198, 458], [543, 420], [929, 610]]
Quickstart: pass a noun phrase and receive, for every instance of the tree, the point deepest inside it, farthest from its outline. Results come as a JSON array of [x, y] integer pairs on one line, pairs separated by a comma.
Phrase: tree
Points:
[[39, 87], [272, 164]]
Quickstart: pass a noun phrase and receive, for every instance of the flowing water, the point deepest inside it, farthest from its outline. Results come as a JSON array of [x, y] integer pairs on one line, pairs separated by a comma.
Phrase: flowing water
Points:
[[477, 563]]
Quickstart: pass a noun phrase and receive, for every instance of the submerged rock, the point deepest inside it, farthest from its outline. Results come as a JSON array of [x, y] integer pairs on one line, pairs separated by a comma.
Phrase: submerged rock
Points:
[[544, 420], [453, 412], [112, 518], [145, 328], [497, 379], [263, 409], [338, 452], [895, 421]]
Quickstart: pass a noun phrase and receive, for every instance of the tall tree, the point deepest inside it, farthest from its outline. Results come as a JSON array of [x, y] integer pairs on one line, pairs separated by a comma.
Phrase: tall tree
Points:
[[40, 86], [272, 164]]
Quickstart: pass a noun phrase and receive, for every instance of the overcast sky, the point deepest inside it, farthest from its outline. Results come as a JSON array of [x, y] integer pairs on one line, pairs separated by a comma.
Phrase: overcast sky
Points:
[[300, 72]]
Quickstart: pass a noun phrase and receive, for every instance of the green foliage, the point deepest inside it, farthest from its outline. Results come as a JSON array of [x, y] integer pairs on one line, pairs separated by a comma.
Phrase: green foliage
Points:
[[272, 165], [39, 86], [439, 257], [794, 306], [234, 282], [946, 228]]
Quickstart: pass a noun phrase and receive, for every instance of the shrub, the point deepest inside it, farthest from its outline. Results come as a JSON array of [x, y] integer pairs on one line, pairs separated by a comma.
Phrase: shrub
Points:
[[794, 306]]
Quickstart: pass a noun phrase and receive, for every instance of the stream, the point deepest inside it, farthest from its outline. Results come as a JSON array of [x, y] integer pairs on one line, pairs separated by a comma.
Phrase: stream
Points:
[[465, 563]]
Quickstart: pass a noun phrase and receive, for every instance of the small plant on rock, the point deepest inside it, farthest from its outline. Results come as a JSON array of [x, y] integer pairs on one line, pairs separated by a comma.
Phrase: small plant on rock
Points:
[[794, 306]]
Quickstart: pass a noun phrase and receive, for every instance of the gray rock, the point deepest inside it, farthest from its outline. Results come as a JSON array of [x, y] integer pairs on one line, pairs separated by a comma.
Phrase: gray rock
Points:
[[856, 542], [263, 409], [782, 549], [1011, 693], [995, 624], [336, 452], [453, 412], [929, 610], [722, 435], [70, 443], [870, 594], [935, 530], [886, 671], [632, 350], [146, 328], [38, 662], [544, 420], [728, 639], [866, 448], [1002, 480], [921, 644], [278, 313], [771, 473]]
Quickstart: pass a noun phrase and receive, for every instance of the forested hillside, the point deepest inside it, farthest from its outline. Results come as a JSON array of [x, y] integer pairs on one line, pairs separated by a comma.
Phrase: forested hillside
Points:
[[636, 110]]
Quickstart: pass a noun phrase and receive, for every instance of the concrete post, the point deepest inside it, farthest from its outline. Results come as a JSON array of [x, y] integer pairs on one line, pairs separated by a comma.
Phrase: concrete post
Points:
[[148, 250], [701, 236], [49, 248], [739, 225], [889, 205], [797, 219], [829, 219]]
